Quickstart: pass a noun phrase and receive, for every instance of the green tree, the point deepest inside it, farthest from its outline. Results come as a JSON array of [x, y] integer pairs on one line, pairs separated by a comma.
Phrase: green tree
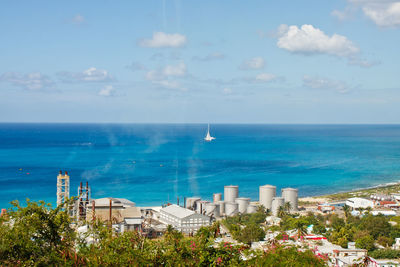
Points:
[[366, 242]]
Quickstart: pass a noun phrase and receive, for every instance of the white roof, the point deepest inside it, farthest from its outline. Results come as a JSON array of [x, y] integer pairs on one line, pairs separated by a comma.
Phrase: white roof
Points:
[[357, 202], [384, 212], [133, 221], [100, 202], [177, 211]]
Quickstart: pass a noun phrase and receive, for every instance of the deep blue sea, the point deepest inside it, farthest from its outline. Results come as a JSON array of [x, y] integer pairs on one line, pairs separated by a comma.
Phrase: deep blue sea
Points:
[[152, 164]]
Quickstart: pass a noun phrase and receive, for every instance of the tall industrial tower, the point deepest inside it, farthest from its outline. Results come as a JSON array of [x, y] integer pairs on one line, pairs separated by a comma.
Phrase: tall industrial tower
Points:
[[62, 188]]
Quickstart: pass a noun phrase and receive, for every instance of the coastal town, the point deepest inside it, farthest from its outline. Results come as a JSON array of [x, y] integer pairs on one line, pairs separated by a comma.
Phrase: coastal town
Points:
[[342, 232]]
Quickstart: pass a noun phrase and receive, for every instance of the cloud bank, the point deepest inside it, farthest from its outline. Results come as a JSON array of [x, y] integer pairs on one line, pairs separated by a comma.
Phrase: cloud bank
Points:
[[161, 39]]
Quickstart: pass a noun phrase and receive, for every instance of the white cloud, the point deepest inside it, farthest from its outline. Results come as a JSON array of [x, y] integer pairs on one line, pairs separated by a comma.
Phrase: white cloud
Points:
[[178, 70], [90, 75], [325, 83], [384, 13], [161, 39], [210, 57], [265, 77], [310, 40], [78, 19], [107, 91], [165, 76], [253, 64], [34, 81]]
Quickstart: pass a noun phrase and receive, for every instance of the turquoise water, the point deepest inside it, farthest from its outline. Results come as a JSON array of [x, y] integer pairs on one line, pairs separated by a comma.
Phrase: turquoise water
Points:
[[151, 164]]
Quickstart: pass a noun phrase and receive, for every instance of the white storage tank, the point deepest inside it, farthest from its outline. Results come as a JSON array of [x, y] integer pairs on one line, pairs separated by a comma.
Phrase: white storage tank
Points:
[[212, 209], [231, 192], [217, 197], [291, 195], [221, 207], [191, 202], [201, 206], [267, 193], [231, 208], [277, 202], [252, 208], [243, 203]]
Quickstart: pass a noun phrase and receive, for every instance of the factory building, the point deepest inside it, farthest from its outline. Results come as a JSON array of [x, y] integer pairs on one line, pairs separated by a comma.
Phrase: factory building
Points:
[[122, 212], [182, 219], [357, 202]]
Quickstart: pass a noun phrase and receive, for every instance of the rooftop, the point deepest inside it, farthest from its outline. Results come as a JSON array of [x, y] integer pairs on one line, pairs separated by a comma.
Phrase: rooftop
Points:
[[177, 211]]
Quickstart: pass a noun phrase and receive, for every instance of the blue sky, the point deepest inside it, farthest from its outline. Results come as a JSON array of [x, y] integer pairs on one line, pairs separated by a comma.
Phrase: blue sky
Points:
[[200, 61]]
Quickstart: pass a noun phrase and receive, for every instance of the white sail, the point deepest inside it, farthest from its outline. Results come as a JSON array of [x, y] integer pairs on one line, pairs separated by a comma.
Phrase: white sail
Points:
[[208, 137]]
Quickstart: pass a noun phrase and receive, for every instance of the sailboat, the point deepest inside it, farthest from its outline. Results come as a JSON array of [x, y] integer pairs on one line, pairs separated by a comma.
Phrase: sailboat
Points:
[[208, 137]]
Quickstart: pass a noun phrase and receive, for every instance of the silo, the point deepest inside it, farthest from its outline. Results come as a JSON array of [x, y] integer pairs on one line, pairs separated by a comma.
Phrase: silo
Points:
[[276, 203], [201, 206], [243, 203], [212, 209], [231, 192], [252, 208], [221, 207], [191, 202], [217, 197], [267, 192], [291, 195], [231, 208]]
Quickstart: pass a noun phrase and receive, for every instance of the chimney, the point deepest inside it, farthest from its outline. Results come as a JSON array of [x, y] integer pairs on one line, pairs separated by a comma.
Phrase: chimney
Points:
[[66, 173]]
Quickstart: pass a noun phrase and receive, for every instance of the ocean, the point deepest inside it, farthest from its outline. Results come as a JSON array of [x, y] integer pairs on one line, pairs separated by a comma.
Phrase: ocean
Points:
[[152, 164]]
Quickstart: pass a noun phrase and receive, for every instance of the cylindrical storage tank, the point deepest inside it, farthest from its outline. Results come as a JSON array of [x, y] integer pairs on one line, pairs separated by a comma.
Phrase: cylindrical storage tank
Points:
[[217, 197], [231, 208], [276, 203], [243, 203], [201, 206], [212, 209], [267, 193], [191, 202], [252, 208], [221, 207], [231, 192], [291, 195]]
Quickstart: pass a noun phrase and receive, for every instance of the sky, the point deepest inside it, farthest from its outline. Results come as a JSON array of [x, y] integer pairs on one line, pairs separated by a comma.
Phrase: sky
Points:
[[177, 61]]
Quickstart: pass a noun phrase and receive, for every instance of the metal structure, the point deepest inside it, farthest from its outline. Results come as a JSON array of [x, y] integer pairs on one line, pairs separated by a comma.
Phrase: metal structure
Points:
[[217, 197], [62, 188], [83, 200], [267, 193], [231, 192], [243, 203], [252, 208], [291, 195], [231, 208], [277, 202]]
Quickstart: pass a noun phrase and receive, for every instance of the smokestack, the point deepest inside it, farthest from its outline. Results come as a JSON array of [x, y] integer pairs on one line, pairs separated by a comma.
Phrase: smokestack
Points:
[[110, 212], [184, 202], [66, 173], [87, 192], [93, 210], [80, 190], [60, 172], [178, 201]]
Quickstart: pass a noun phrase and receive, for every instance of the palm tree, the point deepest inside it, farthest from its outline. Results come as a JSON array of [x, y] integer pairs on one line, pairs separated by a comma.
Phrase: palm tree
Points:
[[346, 210], [301, 229], [287, 206], [281, 212]]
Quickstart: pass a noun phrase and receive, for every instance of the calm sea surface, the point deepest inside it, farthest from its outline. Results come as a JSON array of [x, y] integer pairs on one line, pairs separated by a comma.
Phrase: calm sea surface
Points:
[[153, 163]]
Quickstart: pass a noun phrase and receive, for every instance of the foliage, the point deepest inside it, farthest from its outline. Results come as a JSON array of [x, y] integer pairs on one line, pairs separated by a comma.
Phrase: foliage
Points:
[[385, 254], [366, 242], [385, 241], [287, 256]]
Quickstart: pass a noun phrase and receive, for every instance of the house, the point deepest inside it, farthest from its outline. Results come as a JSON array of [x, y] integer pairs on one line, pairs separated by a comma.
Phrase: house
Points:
[[183, 219]]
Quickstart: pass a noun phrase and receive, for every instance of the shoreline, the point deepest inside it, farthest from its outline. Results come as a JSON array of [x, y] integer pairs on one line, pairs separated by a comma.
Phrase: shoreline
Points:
[[388, 188]]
